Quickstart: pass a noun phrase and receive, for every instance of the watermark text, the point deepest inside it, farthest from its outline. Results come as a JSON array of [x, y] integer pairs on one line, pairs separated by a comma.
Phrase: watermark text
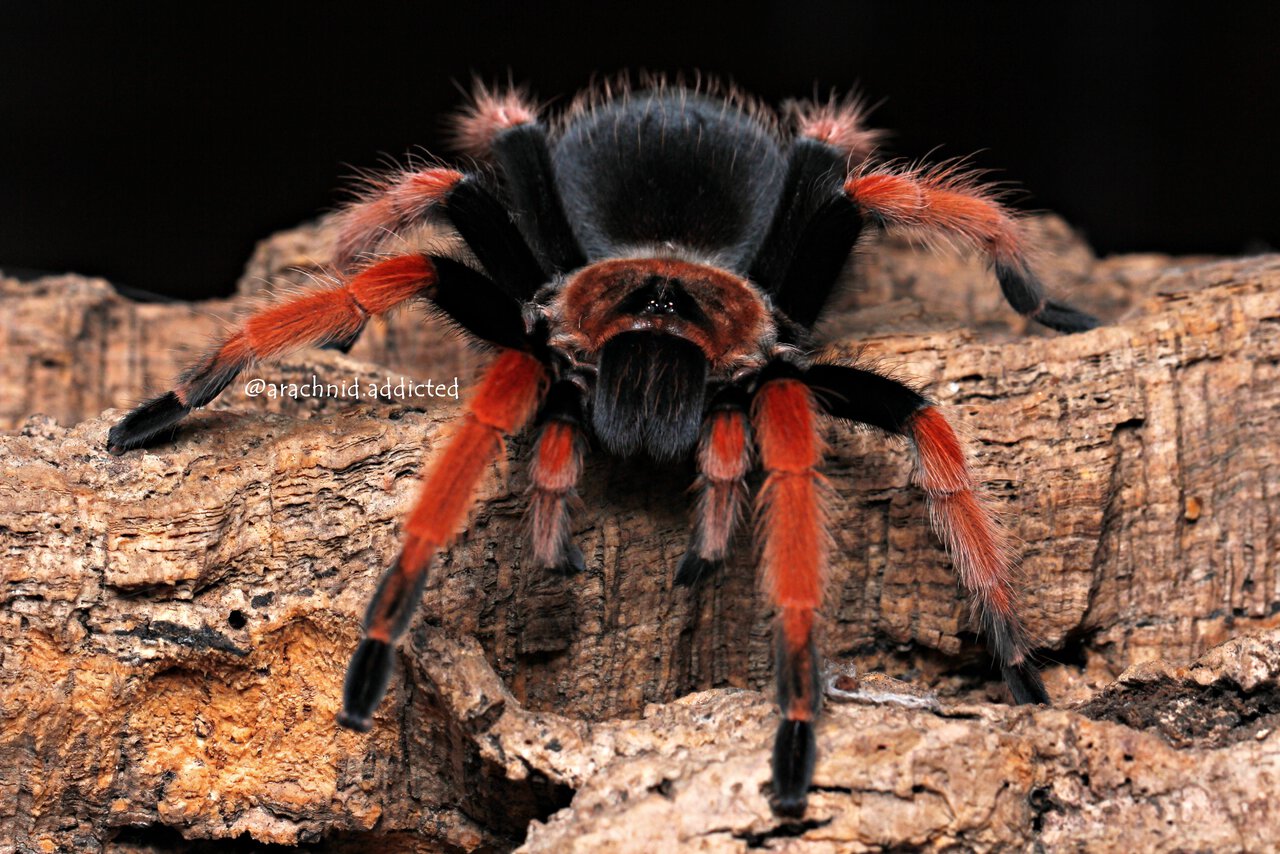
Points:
[[392, 388]]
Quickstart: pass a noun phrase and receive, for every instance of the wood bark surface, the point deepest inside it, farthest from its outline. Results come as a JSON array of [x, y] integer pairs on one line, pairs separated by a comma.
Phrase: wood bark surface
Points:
[[177, 621]]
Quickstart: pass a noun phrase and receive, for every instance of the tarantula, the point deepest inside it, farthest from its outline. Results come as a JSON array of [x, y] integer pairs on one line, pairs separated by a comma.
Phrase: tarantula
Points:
[[649, 269]]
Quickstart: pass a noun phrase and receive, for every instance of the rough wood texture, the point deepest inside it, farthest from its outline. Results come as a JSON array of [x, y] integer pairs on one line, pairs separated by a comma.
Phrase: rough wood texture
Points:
[[177, 621]]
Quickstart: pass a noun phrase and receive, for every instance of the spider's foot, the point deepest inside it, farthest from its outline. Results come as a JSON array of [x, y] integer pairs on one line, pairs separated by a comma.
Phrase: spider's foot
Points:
[[1025, 683], [146, 423], [695, 569], [571, 562], [1064, 318], [794, 751], [344, 344], [367, 679]]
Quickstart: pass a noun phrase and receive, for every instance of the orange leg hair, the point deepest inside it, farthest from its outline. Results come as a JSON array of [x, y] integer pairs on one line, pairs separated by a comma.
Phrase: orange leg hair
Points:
[[724, 461], [503, 403], [792, 525], [977, 545], [392, 203], [950, 203], [314, 318], [557, 463]]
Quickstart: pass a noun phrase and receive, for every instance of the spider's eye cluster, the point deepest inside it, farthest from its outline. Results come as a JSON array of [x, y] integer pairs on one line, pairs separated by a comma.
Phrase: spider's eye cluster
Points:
[[661, 295]]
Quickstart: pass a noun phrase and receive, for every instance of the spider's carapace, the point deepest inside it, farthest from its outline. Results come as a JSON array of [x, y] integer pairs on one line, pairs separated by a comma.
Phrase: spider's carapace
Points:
[[649, 267]]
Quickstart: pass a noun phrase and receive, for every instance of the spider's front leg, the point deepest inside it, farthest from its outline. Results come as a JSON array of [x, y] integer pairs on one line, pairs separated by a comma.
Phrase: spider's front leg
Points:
[[792, 523], [504, 402], [318, 317]]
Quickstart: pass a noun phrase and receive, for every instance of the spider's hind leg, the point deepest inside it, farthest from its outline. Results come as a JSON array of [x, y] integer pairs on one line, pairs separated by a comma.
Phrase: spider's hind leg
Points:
[[958, 512], [953, 204]]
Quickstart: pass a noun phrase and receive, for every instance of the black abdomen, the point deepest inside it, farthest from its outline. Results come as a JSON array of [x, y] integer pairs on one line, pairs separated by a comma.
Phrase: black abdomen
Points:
[[669, 167]]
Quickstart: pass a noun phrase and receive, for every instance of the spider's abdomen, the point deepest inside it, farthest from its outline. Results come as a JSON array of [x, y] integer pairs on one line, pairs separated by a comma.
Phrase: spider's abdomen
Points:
[[670, 167]]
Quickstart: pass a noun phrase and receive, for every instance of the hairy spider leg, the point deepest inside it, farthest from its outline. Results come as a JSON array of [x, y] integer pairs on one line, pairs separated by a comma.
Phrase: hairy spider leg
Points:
[[959, 514], [391, 203], [524, 153], [306, 320], [490, 113], [503, 124], [815, 225], [724, 461], [464, 201], [951, 203], [553, 475], [837, 123], [811, 235], [466, 298], [504, 402], [967, 527], [485, 224], [792, 523]]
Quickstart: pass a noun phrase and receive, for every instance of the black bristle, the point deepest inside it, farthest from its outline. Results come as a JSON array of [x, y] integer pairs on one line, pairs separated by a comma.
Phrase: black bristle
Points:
[[1025, 293], [650, 395], [1021, 288], [396, 600], [1064, 318], [153, 418], [573, 562], [524, 154], [863, 396], [1025, 683], [367, 678], [489, 232], [1008, 644], [478, 304], [204, 383], [694, 569], [343, 344], [795, 751]]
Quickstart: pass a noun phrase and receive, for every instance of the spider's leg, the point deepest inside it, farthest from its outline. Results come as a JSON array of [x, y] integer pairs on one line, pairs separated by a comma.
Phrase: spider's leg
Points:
[[460, 199], [959, 514], [837, 123], [953, 204], [724, 461], [812, 232], [557, 462], [792, 525], [485, 224], [391, 203], [507, 396], [504, 124], [326, 315], [525, 157], [977, 545]]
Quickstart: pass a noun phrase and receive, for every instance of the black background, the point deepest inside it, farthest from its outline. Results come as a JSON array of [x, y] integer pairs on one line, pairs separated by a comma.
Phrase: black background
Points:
[[154, 145]]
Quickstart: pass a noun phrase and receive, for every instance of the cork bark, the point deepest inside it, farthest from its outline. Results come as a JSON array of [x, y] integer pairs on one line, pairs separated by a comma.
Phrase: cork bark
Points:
[[176, 621]]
